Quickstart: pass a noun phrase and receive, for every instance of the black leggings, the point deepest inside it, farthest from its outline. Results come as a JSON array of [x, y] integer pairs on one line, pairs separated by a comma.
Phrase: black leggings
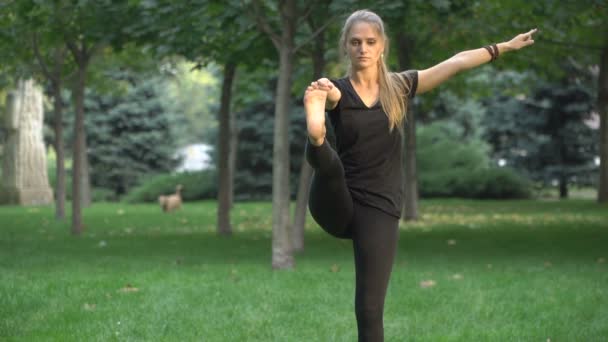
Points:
[[374, 234]]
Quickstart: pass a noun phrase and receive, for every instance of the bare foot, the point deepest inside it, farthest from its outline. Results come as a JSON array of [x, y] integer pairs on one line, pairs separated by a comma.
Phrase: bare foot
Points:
[[314, 104]]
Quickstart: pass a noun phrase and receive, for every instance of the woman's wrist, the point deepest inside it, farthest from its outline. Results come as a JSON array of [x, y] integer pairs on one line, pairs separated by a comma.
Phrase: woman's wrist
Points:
[[333, 94], [504, 47]]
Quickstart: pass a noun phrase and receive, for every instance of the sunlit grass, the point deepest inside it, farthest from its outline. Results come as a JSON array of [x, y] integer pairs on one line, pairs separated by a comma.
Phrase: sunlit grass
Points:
[[466, 271]]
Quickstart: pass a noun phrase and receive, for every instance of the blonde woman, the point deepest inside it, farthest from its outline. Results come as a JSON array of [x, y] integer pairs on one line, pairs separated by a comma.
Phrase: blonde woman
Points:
[[356, 192]]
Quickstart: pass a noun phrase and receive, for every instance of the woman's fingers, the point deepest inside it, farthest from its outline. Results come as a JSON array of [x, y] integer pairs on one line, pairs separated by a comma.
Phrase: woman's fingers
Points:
[[322, 85], [528, 35]]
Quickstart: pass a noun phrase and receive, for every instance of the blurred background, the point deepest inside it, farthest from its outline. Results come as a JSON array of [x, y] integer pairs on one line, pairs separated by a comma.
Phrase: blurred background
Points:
[[142, 95]]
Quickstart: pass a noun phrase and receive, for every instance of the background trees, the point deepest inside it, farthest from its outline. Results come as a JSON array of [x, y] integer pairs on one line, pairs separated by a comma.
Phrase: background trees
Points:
[[234, 71]]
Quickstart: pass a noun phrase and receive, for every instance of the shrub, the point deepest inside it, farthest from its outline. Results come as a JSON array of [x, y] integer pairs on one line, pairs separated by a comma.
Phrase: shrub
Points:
[[196, 186], [450, 167], [501, 183]]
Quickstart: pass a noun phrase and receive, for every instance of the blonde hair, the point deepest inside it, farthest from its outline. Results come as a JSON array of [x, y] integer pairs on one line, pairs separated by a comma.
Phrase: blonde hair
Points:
[[394, 90]]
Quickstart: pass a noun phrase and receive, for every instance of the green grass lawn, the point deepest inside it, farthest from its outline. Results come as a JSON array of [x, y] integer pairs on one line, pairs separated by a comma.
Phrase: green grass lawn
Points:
[[467, 271]]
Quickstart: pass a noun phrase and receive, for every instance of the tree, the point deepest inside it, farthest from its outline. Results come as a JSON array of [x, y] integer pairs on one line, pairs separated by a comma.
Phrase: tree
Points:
[[575, 30], [44, 56], [283, 36], [85, 27], [317, 56], [206, 31], [546, 134], [284, 42], [129, 133]]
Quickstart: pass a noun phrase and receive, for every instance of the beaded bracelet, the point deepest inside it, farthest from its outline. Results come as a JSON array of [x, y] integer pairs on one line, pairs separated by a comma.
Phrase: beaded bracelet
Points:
[[493, 50], [496, 52]]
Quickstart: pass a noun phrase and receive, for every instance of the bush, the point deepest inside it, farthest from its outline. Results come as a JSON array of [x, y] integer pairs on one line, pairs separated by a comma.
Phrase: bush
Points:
[[501, 183], [450, 167], [496, 183], [196, 186]]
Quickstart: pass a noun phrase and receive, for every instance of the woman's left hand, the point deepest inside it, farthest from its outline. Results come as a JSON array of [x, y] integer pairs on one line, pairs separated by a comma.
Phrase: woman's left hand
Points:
[[522, 40]]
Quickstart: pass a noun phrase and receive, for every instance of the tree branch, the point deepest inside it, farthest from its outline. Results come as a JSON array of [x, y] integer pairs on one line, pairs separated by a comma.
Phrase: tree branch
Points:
[[73, 49], [264, 26], [316, 33], [96, 48], [36, 48], [304, 17]]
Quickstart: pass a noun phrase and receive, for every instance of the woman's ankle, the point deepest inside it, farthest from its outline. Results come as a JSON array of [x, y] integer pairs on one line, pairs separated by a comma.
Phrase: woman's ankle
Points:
[[316, 141]]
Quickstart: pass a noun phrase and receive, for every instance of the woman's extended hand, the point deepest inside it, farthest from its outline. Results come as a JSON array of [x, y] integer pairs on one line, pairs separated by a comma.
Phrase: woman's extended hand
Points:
[[522, 40], [322, 84], [331, 91]]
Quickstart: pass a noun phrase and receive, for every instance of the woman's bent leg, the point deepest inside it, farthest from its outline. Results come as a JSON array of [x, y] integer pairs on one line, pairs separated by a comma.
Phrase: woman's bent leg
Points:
[[375, 236], [330, 202]]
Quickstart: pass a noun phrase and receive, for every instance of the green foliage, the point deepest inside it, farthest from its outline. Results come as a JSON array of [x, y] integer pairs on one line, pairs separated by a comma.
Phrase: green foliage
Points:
[[449, 167], [193, 93], [460, 115], [254, 154], [545, 135], [128, 136], [196, 186]]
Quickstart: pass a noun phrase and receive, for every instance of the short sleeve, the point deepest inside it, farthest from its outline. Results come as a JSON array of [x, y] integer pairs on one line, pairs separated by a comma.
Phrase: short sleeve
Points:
[[411, 77]]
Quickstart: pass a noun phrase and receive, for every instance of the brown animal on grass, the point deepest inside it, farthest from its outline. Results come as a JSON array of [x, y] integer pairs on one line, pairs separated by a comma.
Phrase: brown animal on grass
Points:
[[171, 202]]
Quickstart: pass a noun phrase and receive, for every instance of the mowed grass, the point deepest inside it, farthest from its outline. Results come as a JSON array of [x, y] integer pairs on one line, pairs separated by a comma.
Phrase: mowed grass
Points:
[[467, 271]]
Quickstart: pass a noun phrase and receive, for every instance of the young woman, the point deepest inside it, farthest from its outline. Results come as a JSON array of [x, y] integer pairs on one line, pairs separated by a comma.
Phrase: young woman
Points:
[[356, 191]]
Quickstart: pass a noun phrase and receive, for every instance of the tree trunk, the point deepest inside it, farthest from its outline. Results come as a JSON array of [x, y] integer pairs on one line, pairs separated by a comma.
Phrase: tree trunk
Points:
[[563, 186], [411, 176], [234, 141], [58, 127], [223, 212], [282, 253], [299, 221], [85, 178], [410, 203], [59, 150], [79, 145], [602, 96]]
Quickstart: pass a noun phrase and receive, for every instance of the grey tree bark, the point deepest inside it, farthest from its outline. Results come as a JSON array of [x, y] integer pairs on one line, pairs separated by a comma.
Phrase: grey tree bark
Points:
[[81, 56], [224, 148], [59, 151], [282, 251], [602, 96], [234, 141], [55, 77], [299, 221]]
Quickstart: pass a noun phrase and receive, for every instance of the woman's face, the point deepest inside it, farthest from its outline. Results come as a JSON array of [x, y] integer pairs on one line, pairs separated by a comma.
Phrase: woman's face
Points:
[[364, 45]]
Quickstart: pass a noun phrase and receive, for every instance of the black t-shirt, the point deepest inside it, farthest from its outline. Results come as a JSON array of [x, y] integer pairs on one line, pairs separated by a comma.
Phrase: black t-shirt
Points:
[[372, 156]]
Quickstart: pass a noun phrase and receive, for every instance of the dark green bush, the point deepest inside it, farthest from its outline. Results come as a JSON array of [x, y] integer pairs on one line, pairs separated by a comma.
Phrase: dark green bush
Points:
[[496, 183], [450, 167], [196, 186], [501, 183]]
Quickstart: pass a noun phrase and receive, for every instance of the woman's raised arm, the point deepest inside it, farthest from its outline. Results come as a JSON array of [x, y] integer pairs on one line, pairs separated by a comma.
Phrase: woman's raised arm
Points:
[[432, 77]]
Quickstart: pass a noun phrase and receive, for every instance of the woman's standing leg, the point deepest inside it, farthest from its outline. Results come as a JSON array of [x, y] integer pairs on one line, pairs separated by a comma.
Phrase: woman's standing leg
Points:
[[375, 236]]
